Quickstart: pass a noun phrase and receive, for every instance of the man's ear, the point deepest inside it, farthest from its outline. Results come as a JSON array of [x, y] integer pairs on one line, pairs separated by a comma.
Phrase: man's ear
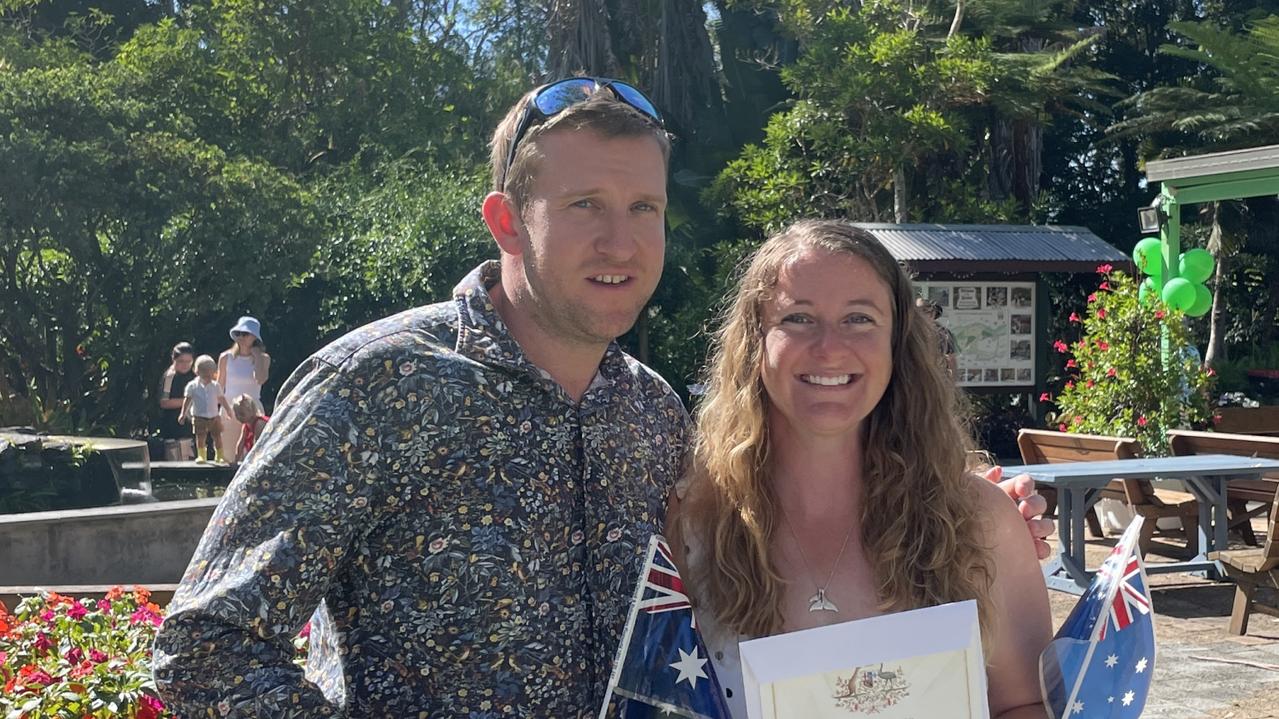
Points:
[[503, 221]]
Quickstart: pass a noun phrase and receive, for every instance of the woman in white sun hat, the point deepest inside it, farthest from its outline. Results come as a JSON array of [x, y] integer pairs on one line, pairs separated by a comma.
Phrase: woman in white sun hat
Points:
[[242, 369]]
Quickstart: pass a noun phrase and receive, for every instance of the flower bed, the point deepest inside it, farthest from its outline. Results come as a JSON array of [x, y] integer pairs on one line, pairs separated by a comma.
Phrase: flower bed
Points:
[[64, 657]]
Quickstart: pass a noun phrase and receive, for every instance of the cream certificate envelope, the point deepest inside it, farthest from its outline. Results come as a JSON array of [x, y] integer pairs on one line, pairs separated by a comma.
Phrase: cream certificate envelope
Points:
[[921, 664]]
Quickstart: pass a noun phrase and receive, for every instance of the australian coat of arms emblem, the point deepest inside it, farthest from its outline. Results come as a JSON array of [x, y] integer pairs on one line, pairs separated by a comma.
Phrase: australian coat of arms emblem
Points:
[[871, 689]]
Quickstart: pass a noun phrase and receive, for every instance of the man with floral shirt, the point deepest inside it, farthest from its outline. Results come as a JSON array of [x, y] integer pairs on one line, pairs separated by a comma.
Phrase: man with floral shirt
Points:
[[463, 490]]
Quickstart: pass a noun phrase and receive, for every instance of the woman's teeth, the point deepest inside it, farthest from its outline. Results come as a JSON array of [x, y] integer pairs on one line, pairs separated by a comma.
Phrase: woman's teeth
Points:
[[830, 381]]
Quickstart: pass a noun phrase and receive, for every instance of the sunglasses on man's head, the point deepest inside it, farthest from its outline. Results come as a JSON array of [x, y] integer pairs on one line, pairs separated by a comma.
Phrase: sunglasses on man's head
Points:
[[550, 100]]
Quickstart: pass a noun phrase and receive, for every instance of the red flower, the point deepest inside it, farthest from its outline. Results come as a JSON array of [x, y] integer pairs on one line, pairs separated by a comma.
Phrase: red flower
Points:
[[31, 676], [1089, 384], [43, 643], [1060, 346], [1062, 428], [75, 656], [1103, 346], [1101, 314], [1070, 385], [1092, 298], [82, 670], [1045, 397], [149, 707], [96, 656], [77, 610], [1074, 317], [1104, 286], [1159, 314], [1104, 269], [1071, 364], [1141, 421], [1110, 372]]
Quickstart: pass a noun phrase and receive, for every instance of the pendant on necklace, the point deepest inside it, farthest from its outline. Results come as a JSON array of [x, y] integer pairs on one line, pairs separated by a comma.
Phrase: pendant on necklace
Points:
[[819, 603]]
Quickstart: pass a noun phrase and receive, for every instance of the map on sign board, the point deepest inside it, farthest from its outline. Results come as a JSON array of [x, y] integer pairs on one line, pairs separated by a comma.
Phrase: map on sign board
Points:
[[994, 328]]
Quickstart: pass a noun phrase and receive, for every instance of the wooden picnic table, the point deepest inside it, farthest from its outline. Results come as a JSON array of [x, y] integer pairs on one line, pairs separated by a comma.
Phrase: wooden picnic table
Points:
[[1079, 486]]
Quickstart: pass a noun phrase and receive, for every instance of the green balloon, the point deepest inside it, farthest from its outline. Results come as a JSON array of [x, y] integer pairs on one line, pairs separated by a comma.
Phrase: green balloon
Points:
[[1147, 255], [1146, 291], [1202, 303], [1196, 265], [1179, 294]]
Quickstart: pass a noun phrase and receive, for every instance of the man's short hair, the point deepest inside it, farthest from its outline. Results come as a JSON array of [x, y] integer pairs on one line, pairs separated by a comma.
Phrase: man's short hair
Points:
[[600, 113]]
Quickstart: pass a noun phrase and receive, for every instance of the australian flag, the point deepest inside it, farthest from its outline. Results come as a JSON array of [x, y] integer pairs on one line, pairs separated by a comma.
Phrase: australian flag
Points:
[[662, 666], [1100, 663]]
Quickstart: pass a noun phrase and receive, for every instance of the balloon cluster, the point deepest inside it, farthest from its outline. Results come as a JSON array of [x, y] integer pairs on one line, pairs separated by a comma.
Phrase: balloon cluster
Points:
[[1186, 292]]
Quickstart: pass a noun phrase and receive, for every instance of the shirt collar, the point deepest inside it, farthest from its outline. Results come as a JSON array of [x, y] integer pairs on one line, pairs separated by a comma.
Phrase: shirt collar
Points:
[[484, 337]]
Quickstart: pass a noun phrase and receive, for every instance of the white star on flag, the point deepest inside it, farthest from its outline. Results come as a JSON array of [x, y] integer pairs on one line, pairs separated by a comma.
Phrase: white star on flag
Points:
[[1128, 698], [1141, 665], [1111, 661], [689, 667], [1078, 708]]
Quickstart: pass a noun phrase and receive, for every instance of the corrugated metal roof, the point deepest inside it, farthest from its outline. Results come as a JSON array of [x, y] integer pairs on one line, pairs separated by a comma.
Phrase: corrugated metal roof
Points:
[[1052, 246], [1216, 163]]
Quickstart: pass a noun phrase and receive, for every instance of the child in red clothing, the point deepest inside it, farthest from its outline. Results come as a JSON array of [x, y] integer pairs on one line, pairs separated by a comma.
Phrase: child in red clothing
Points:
[[252, 422]]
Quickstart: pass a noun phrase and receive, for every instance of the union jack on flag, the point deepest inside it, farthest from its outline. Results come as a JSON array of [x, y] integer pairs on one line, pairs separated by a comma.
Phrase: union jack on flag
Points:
[[662, 666], [1101, 662]]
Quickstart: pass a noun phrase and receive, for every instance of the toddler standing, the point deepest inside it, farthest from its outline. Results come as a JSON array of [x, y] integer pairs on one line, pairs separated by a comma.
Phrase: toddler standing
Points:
[[205, 404]]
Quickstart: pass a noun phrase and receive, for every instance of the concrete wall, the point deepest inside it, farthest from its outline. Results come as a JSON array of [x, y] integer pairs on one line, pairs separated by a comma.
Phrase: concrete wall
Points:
[[132, 544]]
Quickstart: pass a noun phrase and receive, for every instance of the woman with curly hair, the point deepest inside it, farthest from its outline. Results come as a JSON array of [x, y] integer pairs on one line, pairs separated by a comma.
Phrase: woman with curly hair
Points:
[[828, 479]]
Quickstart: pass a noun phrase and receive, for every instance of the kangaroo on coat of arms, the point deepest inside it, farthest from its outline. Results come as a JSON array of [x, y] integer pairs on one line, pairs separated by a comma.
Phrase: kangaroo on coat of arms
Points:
[[871, 690]]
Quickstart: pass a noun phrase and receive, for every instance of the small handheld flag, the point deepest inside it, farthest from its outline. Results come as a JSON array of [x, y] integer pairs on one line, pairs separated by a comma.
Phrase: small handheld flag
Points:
[[1100, 663], [662, 666]]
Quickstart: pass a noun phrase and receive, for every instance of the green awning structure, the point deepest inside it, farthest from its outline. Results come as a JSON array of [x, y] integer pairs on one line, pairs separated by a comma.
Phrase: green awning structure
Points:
[[1233, 175]]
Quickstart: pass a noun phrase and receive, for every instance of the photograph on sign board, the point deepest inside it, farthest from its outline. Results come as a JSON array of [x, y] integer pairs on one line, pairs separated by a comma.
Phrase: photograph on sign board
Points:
[[1021, 297], [1020, 350], [996, 296], [1019, 324]]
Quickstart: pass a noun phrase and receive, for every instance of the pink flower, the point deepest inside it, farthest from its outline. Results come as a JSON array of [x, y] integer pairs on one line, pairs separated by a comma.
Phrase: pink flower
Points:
[[1060, 346], [1104, 269], [1212, 372], [1070, 385], [1103, 346], [1110, 372], [1045, 397], [1089, 384], [47, 616], [1101, 314], [96, 656], [1092, 298], [75, 656], [43, 643], [1079, 419], [306, 630], [104, 605], [77, 610], [1071, 364], [1159, 314], [1074, 316], [38, 678], [82, 670], [1104, 286], [145, 614], [1141, 421], [1216, 419], [1062, 428]]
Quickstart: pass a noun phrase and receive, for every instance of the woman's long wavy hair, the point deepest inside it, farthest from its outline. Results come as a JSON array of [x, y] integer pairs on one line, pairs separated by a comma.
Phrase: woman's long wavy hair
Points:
[[920, 525]]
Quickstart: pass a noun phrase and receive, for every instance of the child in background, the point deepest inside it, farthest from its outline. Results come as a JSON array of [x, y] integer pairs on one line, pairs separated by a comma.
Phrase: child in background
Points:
[[252, 422], [205, 404]]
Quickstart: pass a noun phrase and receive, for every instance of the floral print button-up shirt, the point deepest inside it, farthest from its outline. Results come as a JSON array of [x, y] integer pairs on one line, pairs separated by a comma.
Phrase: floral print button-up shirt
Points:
[[470, 534]]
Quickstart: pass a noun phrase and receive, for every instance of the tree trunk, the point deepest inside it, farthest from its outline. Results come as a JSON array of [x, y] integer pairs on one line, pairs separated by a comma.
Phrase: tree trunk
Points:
[[900, 211], [1216, 321]]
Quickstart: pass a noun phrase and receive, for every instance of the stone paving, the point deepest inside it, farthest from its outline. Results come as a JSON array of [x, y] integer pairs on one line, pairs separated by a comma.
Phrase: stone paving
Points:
[[1201, 670]]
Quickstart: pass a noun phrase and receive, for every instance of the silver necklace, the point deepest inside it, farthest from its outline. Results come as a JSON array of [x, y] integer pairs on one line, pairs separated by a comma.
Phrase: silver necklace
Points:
[[818, 602]]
